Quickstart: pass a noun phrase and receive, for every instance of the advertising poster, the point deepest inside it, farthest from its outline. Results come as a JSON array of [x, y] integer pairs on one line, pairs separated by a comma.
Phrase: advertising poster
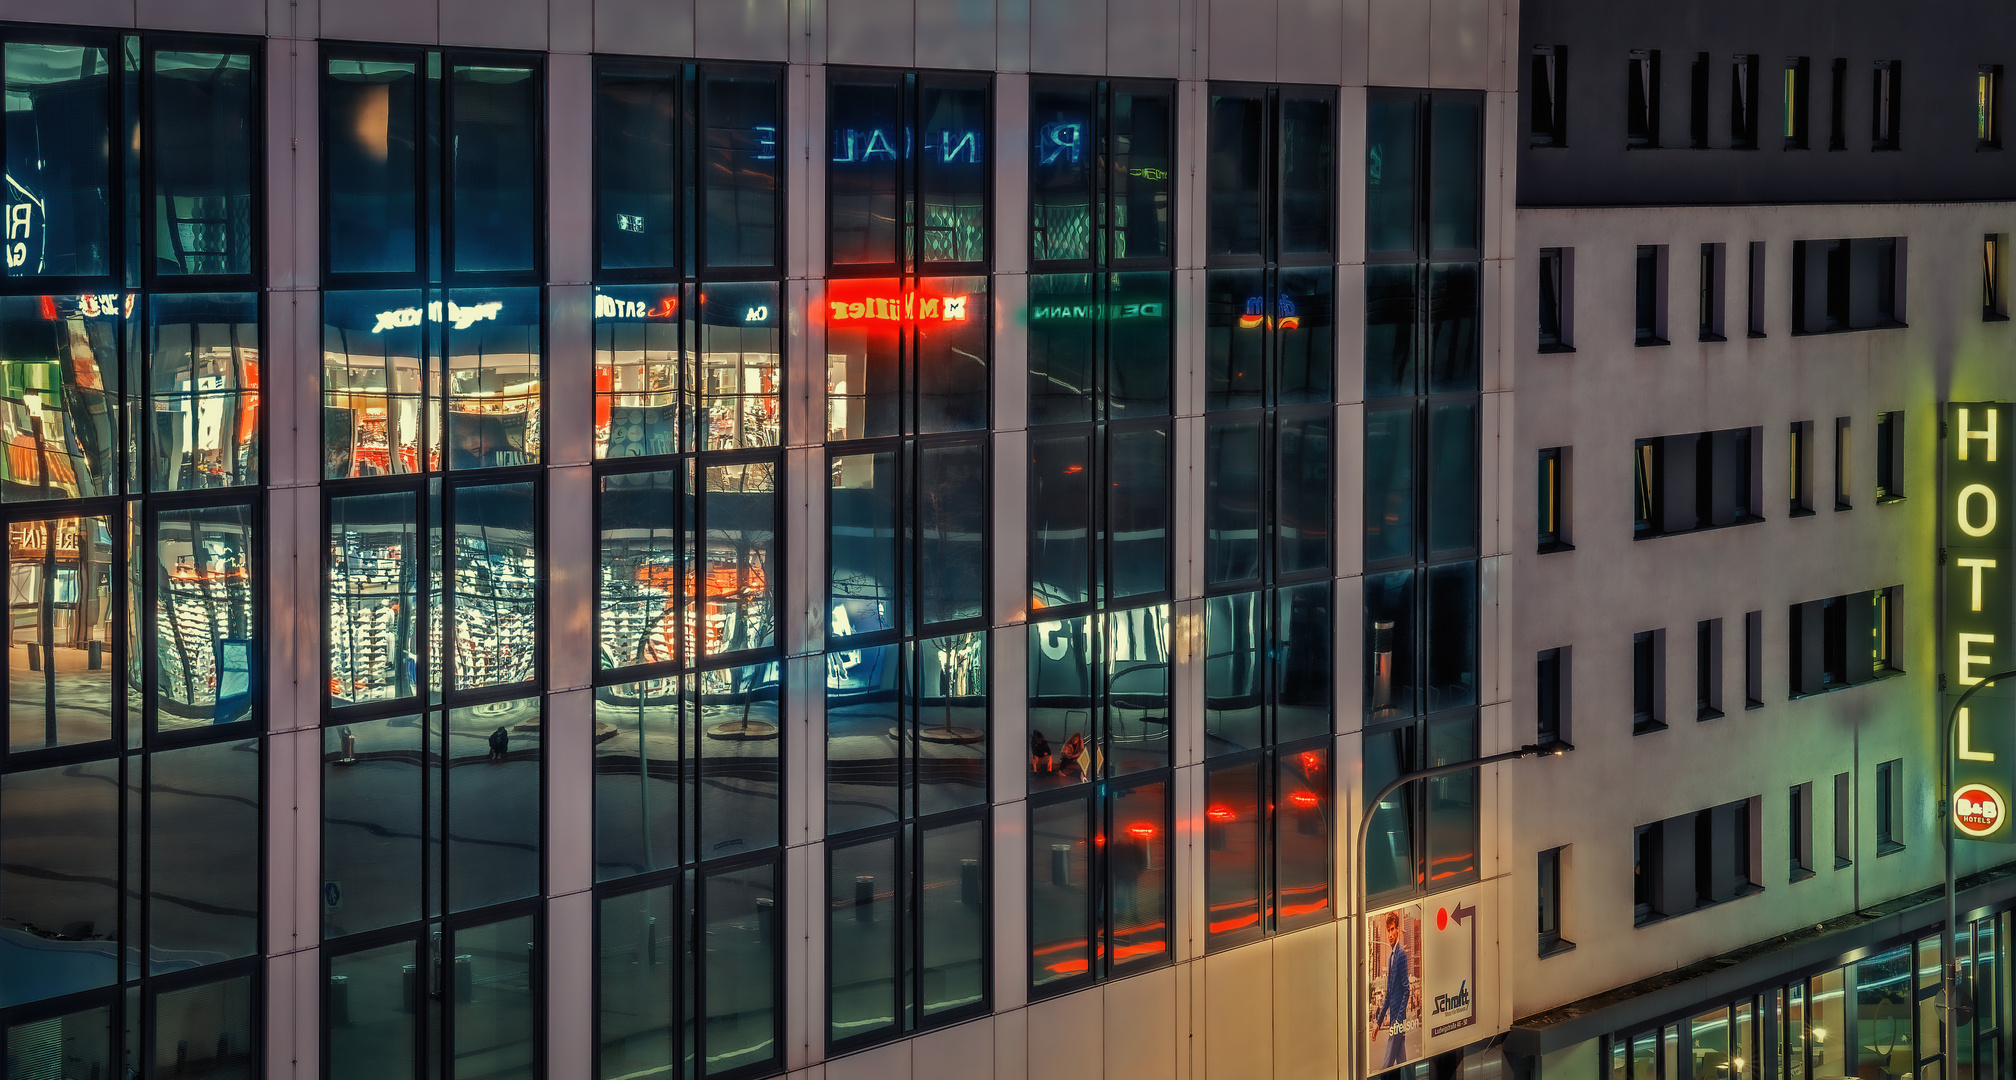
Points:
[[1421, 969], [1394, 967]]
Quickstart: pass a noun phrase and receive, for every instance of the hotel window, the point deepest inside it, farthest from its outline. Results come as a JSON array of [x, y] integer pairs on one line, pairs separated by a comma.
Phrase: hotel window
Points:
[[1557, 283], [1756, 289], [1551, 483], [131, 494], [1641, 100], [1650, 294], [688, 342], [1549, 90], [1552, 863], [1796, 98], [1799, 831], [1422, 362], [1743, 101], [1889, 802], [1551, 697], [1709, 300], [1889, 456], [1844, 820], [1846, 284], [1994, 260], [1837, 113], [1886, 106], [1648, 681], [1844, 464], [1799, 455], [433, 345], [1697, 103], [1987, 107], [1722, 842], [1753, 659], [1701, 480], [1843, 641], [1708, 669]]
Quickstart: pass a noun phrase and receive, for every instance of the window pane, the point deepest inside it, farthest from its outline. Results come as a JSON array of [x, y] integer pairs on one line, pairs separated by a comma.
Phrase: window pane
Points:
[[371, 1030], [1235, 339], [864, 361], [643, 383], [1234, 680], [495, 1006], [952, 884], [1308, 179], [61, 403], [1233, 502], [203, 616], [1060, 916], [950, 714], [1455, 175], [1061, 475], [1304, 658], [739, 512], [1453, 347], [1302, 838], [1302, 486], [862, 510], [494, 127], [1391, 151], [863, 773], [203, 836], [639, 965], [1060, 174], [1137, 655], [1390, 668], [1389, 485], [646, 559], [1235, 833], [1452, 802], [1452, 636], [492, 788], [741, 345], [1140, 353], [494, 579], [737, 735], [203, 377], [60, 655], [1137, 858], [1063, 692], [59, 135], [372, 808], [1452, 478], [638, 777], [740, 169], [493, 377], [1137, 515], [951, 508], [952, 376], [206, 1031], [1389, 854], [1233, 170], [739, 1018], [863, 178], [1390, 303], [372, 364], [373, 598], [206, 115], [1064, 324], [864, 904], [59, 887], [76, 1044], [370, 146], [1139, 143], [637, 167], [952, 174], [1305, 336]]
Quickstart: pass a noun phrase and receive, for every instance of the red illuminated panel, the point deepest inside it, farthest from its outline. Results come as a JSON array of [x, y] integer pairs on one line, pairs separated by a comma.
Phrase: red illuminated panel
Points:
[[850, 305]]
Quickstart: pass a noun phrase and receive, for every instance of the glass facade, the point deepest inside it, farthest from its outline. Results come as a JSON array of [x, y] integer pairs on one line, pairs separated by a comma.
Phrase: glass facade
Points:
[[131, 334]]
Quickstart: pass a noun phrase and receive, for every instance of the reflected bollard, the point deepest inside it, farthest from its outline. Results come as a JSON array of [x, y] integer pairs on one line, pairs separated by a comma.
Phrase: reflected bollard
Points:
[[864, 898], [969, 882], [766, 920], [1060, 864], [339, 1001]]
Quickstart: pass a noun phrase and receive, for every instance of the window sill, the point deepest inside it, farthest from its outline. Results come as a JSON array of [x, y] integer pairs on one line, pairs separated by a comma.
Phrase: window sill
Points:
[[1840, 507], [1751, 705], [1988, 148], [1888, 847], [1842, 864], [1891, 325], [1713, 337], [1556, 546], [1835, 688], [1747, 519], [1647, 727], [1799, 874], [1799, 511], [1755, 334], [1993, 316], [1650, 343], [1705, 715], [1889, 500], [1555, 947], [1747, 890], [1546, 348]]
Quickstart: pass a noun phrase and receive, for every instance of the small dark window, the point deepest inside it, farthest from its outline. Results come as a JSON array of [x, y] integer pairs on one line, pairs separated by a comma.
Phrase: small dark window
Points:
[[1641, 101], [1994, 305], [1837, 97], [1710, 298], [1697, 103], [1650, 293], [1842, 641], [1844, 820], [1883, 631], [1551, 482], [1799, 831], [1987, 111], [1753, 659], [1699, 480], [1549, 96], [1551, 698], [1796, 95], [1743, 102], [1886, 106], [1708, 669], [1756, 290], [1842, 285], [1801, 455], [1646, 715], [1889, 455], [1555, 282], [1646, 466], [1844, 463], [1889, 794], [1551, 940], [1648, 876]]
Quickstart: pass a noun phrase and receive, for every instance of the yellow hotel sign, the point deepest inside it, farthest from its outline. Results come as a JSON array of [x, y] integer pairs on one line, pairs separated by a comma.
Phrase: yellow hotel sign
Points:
[[1978, 637]]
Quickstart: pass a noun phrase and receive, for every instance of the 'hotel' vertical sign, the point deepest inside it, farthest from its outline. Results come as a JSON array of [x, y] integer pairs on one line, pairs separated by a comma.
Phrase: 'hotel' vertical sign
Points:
[[1979, 637]]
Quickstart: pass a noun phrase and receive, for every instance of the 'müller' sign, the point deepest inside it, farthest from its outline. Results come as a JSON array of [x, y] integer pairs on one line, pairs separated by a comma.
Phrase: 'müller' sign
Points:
[[1979, 635]]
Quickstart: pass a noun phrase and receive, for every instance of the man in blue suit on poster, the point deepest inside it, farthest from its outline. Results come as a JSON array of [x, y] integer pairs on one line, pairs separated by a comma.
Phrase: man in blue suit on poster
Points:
[[1394, 1007]]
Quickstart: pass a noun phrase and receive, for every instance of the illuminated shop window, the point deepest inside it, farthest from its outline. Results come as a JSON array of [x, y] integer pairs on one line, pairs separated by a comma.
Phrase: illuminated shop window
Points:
[[132, 336]]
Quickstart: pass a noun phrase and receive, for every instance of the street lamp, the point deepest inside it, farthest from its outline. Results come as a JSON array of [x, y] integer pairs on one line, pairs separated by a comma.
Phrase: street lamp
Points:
[[1950, 979], [1360, 991]]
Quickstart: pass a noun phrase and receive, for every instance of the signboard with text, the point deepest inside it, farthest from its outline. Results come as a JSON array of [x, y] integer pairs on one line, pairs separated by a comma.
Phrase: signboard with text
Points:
[[1978, 637], [1421, 963]]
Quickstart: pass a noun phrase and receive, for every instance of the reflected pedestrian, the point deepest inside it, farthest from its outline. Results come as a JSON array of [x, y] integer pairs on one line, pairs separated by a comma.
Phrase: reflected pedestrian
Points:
[[500, 744]]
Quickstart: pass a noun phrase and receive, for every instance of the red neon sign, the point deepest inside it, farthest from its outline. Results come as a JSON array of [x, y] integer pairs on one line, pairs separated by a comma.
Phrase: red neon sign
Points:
[[907, 306]]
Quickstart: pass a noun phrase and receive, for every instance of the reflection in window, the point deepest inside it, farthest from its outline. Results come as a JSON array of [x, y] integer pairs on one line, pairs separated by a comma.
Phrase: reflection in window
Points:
[[205, 131], [908, 172], [202, 615], [493, 122], [59, 101], [59, 888], [1099, 149], [61, 649], [203, 378], [369, 155], [1098, 885]]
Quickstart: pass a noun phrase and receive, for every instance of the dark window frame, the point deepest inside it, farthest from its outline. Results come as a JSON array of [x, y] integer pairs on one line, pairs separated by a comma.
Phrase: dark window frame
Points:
[[1273, 148], [1743, 101], [1099, 800], [1797, 99], [905, 261], [1101, 257], [1547, 119], [1988, 107], [1551, 884], [1887, 106], [1557, 284], [1551, 481], [1641, 100]]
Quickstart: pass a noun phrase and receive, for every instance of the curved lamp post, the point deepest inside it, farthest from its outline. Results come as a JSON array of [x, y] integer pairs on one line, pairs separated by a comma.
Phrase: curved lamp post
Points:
[[1361, 996], [1950, 978]]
